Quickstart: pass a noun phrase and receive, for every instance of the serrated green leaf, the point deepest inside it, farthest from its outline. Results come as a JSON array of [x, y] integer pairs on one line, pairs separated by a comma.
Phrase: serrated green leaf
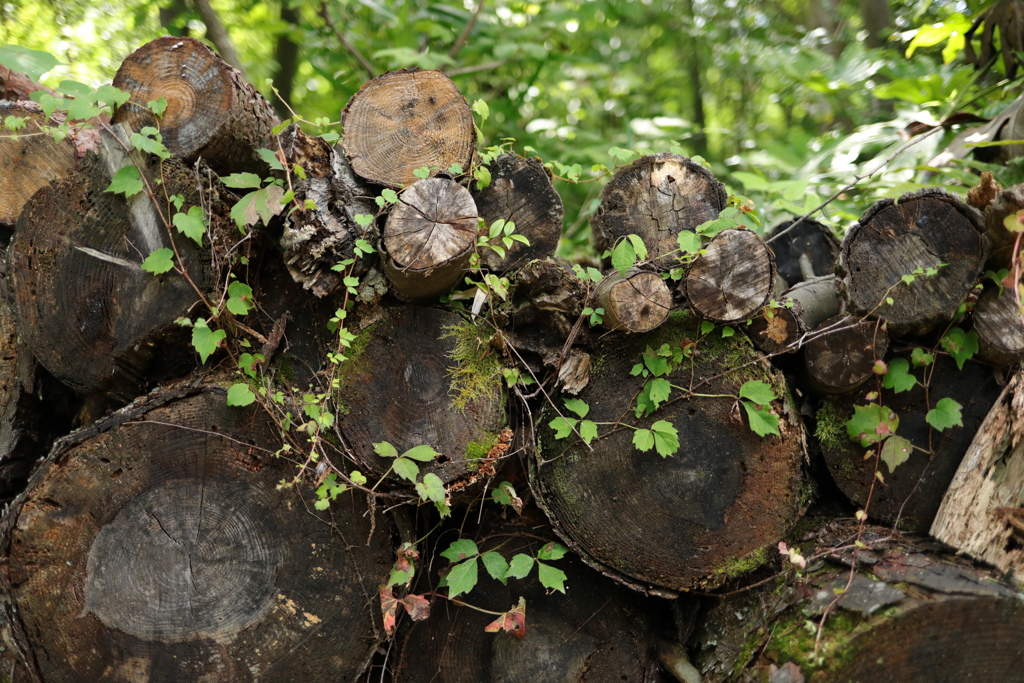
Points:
[[363, 219], [623, 256], [460, 550], [666, 438], [656, 391], [421, 172], [921, 357], [150, 145], [899, 378], [689, 242], [757, 391], [496, 566], [639, 248], [519, 567], [588, 431], [422, 453], [455, 169], [462, 578], [242, 180], [577, 406], [432, 489], [871, 424], [126, 181], [563, 426], [483, 177], [406, 469], [158, 106], [482, 110], [960, 345], [706, 327], [945, 414], [240, 395], [193, 224], [160, 261], [385, 450], [550, 577], [728, 332], [204, 340], [239, 298], [895, 451], [389, 195], [552, 551], [643, 439], [32, 63], [270, 159], [762, 422]]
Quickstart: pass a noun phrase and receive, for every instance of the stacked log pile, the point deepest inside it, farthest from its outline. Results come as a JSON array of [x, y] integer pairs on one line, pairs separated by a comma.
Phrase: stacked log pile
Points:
[[405, 299]]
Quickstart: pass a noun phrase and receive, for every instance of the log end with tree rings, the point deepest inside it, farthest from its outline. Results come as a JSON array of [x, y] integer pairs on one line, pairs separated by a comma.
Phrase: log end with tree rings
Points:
[[841, 353], [914, 489], [637, 302], [777, 329], [422, 376], [520, 191], [405, 120], [732, 279], [708, 513], [428, 238], [924, 253], [159, 546], [998, 322], [29, 157], [804, 251], [211, 111], [656, 197]]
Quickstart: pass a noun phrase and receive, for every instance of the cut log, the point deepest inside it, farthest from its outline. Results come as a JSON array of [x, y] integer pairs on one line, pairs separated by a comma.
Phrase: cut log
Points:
[[428, 238], [981, 514], [908, 615], [211, 111], [31, 159], [422, 376], [841, 354], [317, 239], [913, 491], [520, 191], [656, 197], [732, 279], [777, 329], [1006, 203], [997, 320], [158, 546], [637, 302], [83, 304], [926, 229], [696, 519], [803, 252], [819, 300], [596, 631], [405, 120]]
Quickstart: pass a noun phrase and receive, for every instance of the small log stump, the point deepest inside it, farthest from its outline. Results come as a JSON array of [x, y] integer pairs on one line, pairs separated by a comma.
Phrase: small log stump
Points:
[[696, 519], [521, 191], [637, 302], [777, 329], [158, 546], [428, 238], [842, 352], [422, 376], [997, 320], [405, 120], [211, 111], [806, 251], [733, 279], [656, 197], [916, 486], [926, 229]]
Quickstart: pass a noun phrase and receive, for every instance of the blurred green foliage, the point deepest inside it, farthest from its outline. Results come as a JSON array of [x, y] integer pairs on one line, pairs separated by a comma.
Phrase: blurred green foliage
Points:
[[787, 100]]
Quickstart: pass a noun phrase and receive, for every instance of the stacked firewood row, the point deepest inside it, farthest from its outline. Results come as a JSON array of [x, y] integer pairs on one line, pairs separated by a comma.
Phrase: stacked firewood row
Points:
[[170, 536]]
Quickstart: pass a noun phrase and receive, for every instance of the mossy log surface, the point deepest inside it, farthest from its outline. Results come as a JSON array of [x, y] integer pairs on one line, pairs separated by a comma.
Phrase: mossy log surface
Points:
[[157, 546], [656, 197], [694, 519], [422, 376], [917, 486], [211, 111]]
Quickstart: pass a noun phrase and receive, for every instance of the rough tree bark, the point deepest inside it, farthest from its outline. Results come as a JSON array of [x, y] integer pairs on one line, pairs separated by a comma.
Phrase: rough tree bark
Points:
[[211, 111], [158, 546], [732, 279]]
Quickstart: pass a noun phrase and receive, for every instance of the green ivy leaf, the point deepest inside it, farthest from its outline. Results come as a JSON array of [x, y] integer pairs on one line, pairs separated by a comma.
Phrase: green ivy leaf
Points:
[[421, 453], [706, 327], [689, 242], [482, 110], [496, 566], [363, 219], [270, 159], [563, 426], [239, 298], [406, 469], [149, 141], [643, 439], [240, 395], [421, 172], [588, 431], [462, 578], [432, 489], [206, 340], [960, 345], [657, 390], [871, 424], [757, 391], [460, 550], [666, 438], [158, 106], [519, 567], [385, 450], [390, 196], [160, 261], [899, 378], [622, 154], [483, 177], [193, 224], [552, 551], [242, 180], [921, 357], [126, 181], [623, 256], [762, 422], [895, 451], [946, 413], [550, 577], [32, 63], [577, 406]]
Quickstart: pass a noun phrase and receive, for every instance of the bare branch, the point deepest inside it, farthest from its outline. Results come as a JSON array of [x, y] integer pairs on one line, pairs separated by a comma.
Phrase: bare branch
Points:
[[346, 43], [454, 52], [218, 35]]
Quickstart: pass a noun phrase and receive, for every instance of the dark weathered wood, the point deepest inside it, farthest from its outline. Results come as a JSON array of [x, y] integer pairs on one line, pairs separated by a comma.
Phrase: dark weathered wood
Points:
[[428, 238], [914, 490], [909, 614], [980, 514], [596, 631], [422, 376], [997, 320], [656, 197], [520, 191], [1001, 240], [732, 279], [405, 120], [637, 302], [696, 519], [841, 353], [83, 304], [927, 229], [806, 251], [819, 299], [211, 111], [777, 329], [162, 549], [317, 239]]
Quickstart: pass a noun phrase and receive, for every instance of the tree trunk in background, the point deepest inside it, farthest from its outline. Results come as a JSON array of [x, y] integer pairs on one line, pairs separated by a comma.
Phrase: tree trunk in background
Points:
[[877, 21], [693, 68], [287, 56], [174, 18], [218, 35]]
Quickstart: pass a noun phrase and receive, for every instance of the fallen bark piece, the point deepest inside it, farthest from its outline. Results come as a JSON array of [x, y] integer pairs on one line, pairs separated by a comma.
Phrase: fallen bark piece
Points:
[[656, 197], [732, 279], [639, 301], [211, 111], [912, 262], [158, 546], [405, 120]]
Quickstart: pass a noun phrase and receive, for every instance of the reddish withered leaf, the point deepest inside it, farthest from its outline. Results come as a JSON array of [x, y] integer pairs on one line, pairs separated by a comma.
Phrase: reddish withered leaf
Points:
[[417, 606], [513, 621], [388, 607]]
